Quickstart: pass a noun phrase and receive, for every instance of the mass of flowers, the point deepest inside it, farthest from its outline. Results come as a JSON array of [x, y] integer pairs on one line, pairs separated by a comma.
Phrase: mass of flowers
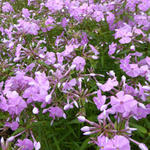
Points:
[[63, 56]]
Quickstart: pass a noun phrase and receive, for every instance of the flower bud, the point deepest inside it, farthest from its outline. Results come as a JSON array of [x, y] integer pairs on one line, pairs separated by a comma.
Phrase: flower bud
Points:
[[37, 145], [92, 74], [85, 129], [81, 118], [146, 87], [112, 73], [48, 98], [142, 105], [2, 141], [10, 139], [132, 47], [35, 110], [95, 57], [103, 107], [67, 106], [72, 67], [87, 133], [142, 146], [76, 104], [123, 78]]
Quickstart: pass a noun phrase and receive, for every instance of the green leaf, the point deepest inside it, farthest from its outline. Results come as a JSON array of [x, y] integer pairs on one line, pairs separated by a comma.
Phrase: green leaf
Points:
[[140, 128], [84, 144]]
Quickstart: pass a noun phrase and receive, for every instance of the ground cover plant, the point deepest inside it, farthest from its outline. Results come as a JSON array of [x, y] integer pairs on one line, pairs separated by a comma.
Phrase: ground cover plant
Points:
[[74, 74]]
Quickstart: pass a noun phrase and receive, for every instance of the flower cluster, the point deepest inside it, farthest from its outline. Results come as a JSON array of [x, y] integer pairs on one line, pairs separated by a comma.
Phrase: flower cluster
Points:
[[52, 56]]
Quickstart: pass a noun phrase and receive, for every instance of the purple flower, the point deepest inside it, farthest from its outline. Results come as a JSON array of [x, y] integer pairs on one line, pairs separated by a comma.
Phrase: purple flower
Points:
[[123, 103], [15, 103], [69, 85], [131, 4], [3, 103], [38, 89], [49, 21], [110, 18], [7, 7], [110, 83], [50, 58], [98, 15], [64, 22], [112, 48], [25, 144], [18, 52], [102, 142], [60, 57], [68, 50], [125, 33], [54, 5], [100, 100], [133, 70], [140, 113], [18, 83], [25, 13], [117, 142], [13, 125], [28, 27], [144, 5], [56, 112], [120, 142], [79, 63], [94, 50], [1, 86]]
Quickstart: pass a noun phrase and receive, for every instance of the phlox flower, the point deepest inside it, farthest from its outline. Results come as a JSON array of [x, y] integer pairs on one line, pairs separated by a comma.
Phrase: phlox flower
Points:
[[112, 48], [7, 7], [79, 63], [27, 27], [38, 89], [110, 83], [123, 103], [118, 142], [125, 33], [144, 5], [54, 5], [25, 13], [13, 125], [26, 144], [100, 100], [15, 103]]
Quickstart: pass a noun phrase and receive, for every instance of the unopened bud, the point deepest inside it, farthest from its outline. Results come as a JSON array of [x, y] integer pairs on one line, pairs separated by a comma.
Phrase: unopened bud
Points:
[[103, 107], [72, 67], [146, 87], [87, 133], [92, 74], [123, 78], [85, 129], [59, 84], [142, 105], [35, 110], [2, 141], [64, 115], [76, 104], [48, 98], [37, 145], [81, 118], [132, 47], [142, 146], [10, 139], [98, 84], [67, 106], [95, 57], [112, 73]]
